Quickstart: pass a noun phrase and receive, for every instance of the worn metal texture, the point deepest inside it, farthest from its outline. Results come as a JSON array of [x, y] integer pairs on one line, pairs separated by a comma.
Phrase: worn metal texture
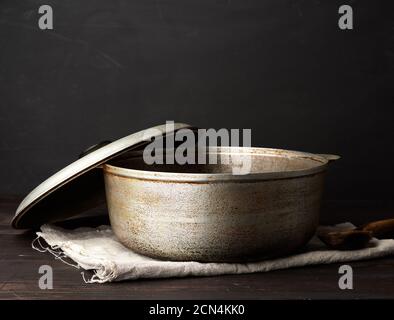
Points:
[[218, 216]]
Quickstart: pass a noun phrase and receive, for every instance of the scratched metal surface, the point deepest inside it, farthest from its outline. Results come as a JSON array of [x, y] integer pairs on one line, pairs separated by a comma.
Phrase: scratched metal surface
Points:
[[215, 215]]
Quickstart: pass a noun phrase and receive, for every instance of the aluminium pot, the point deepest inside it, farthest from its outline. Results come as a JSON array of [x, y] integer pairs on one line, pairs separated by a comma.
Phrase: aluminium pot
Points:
[[207, 213]]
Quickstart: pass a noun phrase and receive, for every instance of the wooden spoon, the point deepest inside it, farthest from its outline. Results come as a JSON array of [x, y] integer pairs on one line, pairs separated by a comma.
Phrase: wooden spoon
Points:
[[345, 240], [357, 238], [382, 229]]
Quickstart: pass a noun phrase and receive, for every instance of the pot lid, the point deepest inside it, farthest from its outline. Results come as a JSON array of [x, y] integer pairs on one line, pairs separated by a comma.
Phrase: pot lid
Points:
[[80, 186]]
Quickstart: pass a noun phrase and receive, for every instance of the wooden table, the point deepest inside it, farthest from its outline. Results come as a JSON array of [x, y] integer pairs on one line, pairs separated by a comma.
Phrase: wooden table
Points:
[[19, 265]]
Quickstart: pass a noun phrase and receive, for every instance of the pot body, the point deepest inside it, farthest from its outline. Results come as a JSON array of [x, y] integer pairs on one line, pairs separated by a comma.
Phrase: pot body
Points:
[[213, 220]]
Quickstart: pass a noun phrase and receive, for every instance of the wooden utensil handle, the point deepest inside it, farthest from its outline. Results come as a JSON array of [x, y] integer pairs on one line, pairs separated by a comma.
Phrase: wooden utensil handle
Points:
[[381, 229]]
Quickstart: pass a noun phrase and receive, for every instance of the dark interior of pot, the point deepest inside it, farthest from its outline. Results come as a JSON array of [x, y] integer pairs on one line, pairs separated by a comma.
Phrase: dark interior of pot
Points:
[[256, 160]]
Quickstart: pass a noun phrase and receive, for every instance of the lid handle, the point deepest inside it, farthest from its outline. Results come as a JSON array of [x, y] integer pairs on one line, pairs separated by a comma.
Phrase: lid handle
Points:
[[329, 157], [94, 148]]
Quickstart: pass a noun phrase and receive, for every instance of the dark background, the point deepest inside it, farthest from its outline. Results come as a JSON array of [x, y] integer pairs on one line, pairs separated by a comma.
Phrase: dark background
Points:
[[282, 68]]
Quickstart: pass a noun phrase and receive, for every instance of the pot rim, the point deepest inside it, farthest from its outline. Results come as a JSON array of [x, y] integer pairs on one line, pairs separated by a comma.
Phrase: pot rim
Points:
[[320, 159]]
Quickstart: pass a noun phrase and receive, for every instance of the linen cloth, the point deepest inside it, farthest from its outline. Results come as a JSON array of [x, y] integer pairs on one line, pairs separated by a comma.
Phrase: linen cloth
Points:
[[98, 250]]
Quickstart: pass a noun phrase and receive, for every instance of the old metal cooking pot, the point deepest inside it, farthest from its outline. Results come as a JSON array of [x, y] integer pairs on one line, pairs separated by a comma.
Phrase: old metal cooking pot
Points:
[[190, 212], [206, 213]]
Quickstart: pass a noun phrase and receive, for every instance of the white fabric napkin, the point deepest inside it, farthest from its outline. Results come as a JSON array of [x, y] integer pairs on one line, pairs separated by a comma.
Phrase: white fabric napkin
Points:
[[98, 249]]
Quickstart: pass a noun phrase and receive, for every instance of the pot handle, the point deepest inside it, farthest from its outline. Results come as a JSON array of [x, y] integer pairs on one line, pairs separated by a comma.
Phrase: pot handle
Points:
[[93, 148], [329, 157]]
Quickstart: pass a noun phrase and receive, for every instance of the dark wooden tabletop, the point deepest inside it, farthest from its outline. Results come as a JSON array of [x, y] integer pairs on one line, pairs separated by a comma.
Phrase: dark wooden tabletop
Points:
[[19, 265]]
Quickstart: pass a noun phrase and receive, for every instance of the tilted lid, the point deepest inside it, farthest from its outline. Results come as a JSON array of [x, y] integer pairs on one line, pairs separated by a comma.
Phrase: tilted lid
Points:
[[80, 186]]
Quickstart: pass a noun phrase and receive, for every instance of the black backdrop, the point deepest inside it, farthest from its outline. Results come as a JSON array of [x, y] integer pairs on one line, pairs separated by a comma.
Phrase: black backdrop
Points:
[[282, 68]]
